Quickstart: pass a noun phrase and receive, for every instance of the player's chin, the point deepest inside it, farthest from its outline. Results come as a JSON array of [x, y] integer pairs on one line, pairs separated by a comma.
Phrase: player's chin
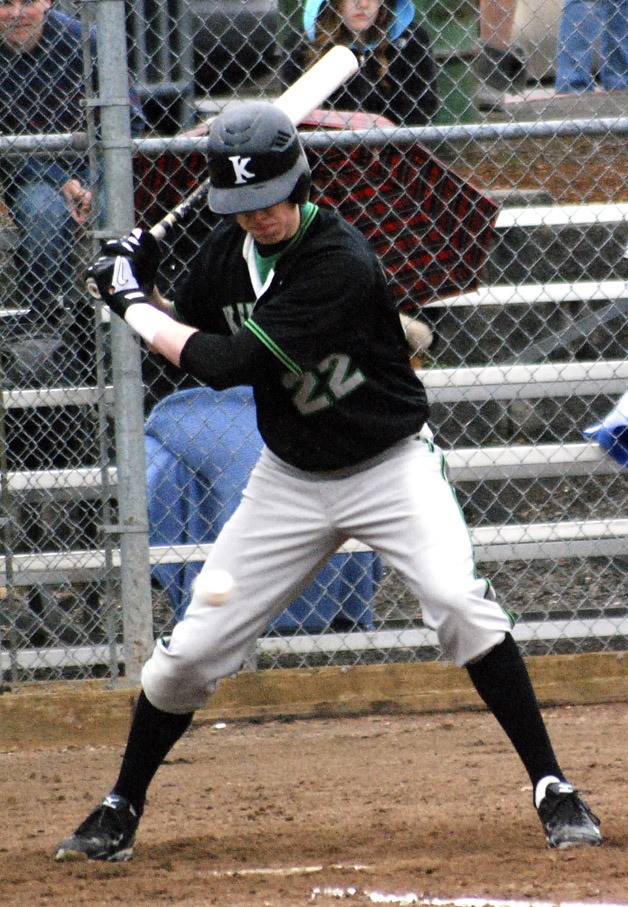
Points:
[[266, 236]]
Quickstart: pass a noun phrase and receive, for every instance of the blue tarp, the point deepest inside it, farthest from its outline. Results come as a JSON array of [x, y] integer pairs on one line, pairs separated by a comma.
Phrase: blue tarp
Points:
[[612, 432], [201, 446]]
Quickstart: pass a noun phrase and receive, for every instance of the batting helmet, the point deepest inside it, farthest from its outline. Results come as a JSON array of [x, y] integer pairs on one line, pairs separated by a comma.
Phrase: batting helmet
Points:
[[255, 160]]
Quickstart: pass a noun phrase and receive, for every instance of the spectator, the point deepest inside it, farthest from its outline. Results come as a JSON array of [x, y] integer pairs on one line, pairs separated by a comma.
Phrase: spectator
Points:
[[500, 65], [42, 91], [397, 77], [585, 24]]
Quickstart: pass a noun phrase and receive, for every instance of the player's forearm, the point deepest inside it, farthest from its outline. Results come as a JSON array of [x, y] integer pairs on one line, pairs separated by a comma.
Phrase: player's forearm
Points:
[[154, 319], [224, 361], [159, 329], [161, 303], [220, 361]]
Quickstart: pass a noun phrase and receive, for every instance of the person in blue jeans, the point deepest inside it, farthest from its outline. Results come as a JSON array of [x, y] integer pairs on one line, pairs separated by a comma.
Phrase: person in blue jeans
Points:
[[586, 25], [42, 92]]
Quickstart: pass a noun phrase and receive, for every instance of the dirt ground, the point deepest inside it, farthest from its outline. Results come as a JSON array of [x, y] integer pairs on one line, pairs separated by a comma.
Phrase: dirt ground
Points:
[[283, 814]]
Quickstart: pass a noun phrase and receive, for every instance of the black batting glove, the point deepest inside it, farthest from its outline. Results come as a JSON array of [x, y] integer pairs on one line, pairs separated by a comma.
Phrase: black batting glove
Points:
[[113, 281], [144, 253]]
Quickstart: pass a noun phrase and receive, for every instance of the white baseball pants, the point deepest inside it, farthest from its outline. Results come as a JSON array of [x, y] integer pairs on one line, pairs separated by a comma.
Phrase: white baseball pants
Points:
[[288, 525]]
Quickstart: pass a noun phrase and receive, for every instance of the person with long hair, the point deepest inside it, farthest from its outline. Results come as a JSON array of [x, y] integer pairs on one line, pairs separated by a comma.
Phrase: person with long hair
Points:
[[397, 77]]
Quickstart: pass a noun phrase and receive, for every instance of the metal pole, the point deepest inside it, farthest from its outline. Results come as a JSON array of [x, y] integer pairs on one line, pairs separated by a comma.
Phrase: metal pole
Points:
[[109, 588], [7, 522], [116, 147]]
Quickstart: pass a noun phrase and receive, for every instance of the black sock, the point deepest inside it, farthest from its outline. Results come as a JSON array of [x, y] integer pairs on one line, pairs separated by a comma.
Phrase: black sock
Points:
[[502, 680], [153, 734]]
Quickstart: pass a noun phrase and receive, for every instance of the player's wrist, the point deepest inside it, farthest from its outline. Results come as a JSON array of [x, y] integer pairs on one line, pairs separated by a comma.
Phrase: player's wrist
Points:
[[146, 320], [119, 303]]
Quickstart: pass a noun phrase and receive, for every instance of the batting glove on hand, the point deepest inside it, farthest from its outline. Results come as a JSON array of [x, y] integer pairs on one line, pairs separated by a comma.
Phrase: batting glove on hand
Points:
[[144, 252], [113, 281]]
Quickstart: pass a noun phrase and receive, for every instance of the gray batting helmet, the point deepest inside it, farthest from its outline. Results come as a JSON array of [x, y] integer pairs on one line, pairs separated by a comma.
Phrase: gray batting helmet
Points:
[[255, 160]]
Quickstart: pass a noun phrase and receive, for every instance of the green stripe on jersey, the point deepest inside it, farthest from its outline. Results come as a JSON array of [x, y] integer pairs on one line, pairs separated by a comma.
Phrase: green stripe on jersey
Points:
[[266, 263], [270, 344]]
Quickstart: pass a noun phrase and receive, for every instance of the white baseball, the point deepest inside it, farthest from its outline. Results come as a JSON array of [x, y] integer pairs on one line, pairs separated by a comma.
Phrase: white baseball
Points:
[[214, 587]]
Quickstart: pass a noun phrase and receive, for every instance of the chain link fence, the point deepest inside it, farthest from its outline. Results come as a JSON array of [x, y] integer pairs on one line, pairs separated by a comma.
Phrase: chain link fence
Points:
[[498, 201]]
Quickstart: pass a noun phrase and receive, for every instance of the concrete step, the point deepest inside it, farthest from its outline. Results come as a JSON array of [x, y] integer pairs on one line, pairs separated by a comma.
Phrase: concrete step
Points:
[[537, 103]]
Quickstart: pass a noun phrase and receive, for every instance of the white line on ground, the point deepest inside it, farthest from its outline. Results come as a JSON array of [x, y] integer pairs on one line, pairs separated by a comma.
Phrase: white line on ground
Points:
[[286, 870], [410, 898]]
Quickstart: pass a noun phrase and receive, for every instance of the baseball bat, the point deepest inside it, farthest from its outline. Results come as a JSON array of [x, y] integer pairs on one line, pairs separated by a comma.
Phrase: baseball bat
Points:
[[297, 101]]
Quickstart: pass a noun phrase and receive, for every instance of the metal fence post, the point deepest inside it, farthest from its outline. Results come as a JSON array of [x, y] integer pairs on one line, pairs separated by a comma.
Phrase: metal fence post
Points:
[[116, 147]]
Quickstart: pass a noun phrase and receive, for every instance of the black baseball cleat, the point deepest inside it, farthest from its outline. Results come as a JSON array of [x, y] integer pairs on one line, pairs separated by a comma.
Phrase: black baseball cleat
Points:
[[566, 818], [108, 833]]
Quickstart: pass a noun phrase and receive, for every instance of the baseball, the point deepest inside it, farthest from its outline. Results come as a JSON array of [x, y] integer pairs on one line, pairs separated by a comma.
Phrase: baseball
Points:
[[418, 334], [214, 587]]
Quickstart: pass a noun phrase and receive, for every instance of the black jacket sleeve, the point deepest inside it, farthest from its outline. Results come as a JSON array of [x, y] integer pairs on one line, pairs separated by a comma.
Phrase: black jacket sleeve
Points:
[[225, 361]]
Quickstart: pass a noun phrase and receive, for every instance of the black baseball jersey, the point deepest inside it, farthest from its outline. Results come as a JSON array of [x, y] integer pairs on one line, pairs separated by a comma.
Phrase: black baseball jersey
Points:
[[322, 345]]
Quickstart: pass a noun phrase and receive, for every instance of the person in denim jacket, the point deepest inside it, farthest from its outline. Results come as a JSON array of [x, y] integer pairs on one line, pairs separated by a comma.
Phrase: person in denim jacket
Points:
[[42, 92]]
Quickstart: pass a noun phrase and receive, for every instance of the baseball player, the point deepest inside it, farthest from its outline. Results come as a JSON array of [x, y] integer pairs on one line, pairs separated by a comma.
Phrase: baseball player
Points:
[[289, 298]]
